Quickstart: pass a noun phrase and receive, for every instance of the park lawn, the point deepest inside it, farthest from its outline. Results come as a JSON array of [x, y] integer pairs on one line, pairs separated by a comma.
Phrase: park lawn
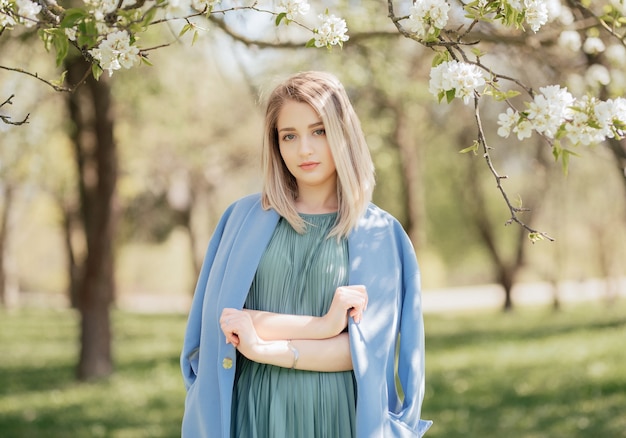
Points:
[[39, 396], [529, 374]]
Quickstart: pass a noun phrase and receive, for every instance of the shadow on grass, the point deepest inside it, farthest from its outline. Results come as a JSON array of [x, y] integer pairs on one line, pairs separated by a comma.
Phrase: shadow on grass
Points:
[[40, 397], [31, 378], [486, 404], [143, 399], [527, 375], [462, 336]]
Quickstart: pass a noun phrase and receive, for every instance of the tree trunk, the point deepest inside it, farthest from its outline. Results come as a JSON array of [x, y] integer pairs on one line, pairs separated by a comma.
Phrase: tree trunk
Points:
[[618, 147], [73, 267], [411, 177], [90, 109], [4, 228], [506, 278]]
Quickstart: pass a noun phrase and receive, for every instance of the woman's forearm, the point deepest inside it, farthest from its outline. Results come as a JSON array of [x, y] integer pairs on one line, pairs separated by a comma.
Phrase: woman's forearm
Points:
[[322, 355], [275, 326]]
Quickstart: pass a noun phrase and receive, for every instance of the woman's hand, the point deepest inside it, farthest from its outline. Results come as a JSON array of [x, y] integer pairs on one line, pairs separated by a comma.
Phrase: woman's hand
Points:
[[239, 330], [349, 301]]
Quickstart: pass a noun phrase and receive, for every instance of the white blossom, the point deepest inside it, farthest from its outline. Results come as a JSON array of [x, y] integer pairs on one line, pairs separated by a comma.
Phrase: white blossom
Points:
[[511, 121], [611, 116], [616, 54], [524, 129], [426, 17], [536, 13], [570, 40], [565, 17], [579, 129], [70, 32], [295, 8], [6, 20], [516, 5], [116, 52], [556, 11], [331, 32], [506, 121], [550, 109], [202, 5], [100, 8], [593, 46], [461, 77], [28, 11], [597, 74], [177, 8]]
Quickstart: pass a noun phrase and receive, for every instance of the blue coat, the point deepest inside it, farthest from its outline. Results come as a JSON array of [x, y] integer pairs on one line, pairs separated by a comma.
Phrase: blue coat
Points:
[[381, 258]]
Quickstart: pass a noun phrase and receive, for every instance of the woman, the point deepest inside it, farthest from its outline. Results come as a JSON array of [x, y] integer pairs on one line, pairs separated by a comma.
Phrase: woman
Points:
[[308, 292]]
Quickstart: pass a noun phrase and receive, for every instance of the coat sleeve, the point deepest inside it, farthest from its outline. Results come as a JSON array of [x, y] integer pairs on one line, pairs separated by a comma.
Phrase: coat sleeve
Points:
[[411, 357], [190, 352]]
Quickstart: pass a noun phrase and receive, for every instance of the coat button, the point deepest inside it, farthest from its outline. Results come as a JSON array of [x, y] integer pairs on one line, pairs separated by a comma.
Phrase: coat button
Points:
[[227, 363]]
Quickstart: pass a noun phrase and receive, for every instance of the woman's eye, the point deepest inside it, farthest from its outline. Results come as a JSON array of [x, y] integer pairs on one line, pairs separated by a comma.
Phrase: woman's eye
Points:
[[319, 132], [288, 137]]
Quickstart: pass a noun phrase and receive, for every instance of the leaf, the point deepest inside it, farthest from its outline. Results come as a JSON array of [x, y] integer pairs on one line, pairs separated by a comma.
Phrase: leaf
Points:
[[186, 28], [87, 33], [477, 52], [473, 148], [59, 82], [310, 43], [450, 95], [512, 93], [556, 150], [61, 45], [195, 37], [72, 16], [96, 71], [280, 18], [45, 36], [535, 237], [440, 58]]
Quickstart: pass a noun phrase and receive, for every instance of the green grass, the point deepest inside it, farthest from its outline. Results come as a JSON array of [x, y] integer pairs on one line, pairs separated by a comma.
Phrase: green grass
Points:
[[39, 396], [529, 374]]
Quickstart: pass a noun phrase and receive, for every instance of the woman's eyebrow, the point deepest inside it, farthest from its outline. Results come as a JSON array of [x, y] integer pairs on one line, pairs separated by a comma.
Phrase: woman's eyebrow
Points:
[[313, 125]]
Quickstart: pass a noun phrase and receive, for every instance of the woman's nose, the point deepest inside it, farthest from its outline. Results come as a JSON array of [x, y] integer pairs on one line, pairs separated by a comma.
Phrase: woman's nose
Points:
[[305, 147]]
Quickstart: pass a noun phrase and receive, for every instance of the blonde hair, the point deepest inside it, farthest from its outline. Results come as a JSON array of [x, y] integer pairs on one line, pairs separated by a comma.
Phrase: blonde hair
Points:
[[355, 170]]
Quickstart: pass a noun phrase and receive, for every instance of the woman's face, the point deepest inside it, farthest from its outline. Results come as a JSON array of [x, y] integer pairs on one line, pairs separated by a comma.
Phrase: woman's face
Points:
[[304, 146]]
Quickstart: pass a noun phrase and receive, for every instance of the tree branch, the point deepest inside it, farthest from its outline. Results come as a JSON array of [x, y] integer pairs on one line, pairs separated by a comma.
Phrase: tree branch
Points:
[[7, 119], [512, 209], [36, 76]]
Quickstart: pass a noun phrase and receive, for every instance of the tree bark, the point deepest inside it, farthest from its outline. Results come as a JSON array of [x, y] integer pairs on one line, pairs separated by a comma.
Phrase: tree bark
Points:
[[91, 111], [411, 176], [618, 147], [4, 232]]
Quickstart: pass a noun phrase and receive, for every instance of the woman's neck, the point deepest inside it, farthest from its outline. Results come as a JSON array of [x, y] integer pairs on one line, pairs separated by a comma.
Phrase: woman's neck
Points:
[[317, 202]]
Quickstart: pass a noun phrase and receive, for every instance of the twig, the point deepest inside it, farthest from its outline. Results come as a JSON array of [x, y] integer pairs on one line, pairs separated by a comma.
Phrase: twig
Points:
[[36, 76], [512, 209], [7, 119]]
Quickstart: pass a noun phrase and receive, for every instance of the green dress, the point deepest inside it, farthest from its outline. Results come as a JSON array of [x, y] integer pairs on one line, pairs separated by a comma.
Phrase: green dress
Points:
[[298, 274]]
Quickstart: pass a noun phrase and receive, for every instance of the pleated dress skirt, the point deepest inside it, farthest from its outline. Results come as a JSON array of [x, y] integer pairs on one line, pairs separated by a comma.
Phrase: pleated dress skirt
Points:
[[298, 274]]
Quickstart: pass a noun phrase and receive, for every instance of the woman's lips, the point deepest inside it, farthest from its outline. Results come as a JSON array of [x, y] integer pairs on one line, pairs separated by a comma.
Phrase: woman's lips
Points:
[[308, 165]]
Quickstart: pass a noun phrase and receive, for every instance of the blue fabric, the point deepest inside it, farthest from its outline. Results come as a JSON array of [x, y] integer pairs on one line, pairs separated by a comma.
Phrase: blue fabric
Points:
[[381, 257]]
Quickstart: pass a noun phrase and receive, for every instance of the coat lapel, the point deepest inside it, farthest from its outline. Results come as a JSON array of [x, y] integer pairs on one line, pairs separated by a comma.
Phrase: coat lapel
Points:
[[248, 247]]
